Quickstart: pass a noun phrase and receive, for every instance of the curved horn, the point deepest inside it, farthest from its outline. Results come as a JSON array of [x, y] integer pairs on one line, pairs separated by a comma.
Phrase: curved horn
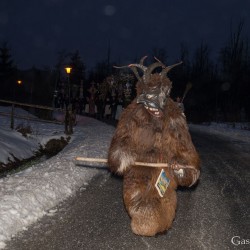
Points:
[[167, 69], [142, 59], [132, 68], [146, 70], [140, 66], [151, 68], [120, 67], [135, 72], [154, 66], [158, 60]]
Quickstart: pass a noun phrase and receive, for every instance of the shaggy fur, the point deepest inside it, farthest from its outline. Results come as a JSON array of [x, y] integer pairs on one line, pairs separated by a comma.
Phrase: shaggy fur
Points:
[[142, 137]]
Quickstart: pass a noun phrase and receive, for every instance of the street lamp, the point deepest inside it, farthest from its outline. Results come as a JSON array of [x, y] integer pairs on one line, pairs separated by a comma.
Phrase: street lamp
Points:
[[68, 71], [68, 114], [19, 82]]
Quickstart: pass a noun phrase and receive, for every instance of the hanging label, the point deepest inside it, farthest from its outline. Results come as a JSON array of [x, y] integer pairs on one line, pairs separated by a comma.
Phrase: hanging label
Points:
[[162, 183]]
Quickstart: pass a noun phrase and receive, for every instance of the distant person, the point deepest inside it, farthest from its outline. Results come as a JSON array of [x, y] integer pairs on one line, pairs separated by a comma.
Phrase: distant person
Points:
[[91, 99], [119, 108], [113, 106], [180, 103]]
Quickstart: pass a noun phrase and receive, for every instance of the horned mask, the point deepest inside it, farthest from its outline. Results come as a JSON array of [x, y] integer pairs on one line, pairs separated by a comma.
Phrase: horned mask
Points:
[[153, 89]]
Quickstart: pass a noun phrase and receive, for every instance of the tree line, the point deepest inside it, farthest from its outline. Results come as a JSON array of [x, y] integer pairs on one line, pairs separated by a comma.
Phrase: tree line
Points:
[[217, 90]]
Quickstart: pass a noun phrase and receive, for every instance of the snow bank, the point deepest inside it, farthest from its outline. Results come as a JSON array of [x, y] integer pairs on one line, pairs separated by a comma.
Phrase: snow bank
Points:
[[225, 129], [28, 195]]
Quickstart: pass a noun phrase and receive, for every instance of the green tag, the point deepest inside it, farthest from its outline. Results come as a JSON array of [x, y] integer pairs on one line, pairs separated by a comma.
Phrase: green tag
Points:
[[162, 183]]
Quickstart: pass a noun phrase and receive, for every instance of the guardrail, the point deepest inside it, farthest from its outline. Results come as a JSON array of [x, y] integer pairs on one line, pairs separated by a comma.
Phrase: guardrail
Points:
[[67, 120]]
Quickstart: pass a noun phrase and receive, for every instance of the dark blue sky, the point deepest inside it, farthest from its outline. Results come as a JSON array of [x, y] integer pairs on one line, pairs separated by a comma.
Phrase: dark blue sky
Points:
[[38, 29]]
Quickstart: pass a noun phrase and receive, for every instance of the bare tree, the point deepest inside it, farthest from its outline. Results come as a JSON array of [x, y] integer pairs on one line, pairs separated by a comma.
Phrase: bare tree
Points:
[[234, 58], [203, 84], [7, 71]]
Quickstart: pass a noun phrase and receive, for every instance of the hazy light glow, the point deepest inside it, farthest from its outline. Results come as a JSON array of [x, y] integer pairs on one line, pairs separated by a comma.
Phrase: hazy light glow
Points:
[[109, 10]]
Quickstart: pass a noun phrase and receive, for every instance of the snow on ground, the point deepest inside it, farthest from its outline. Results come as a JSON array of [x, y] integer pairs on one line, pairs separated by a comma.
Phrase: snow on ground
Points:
[[12, 143], [235, 131], [28, 195]]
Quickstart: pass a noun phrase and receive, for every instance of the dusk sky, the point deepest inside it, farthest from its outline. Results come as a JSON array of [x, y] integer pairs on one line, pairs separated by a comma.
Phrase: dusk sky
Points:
[[37, 30]]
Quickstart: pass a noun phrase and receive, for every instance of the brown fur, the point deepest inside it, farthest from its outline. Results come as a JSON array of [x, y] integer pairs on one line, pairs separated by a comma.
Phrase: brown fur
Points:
[[142, 137]]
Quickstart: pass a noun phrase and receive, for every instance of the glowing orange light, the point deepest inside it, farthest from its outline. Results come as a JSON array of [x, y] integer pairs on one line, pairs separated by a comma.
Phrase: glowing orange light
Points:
[[19, 82], [68, 70]]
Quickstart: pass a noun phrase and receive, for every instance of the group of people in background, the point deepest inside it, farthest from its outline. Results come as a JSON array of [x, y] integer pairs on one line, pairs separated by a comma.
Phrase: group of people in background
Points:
[[102, 101], [99, 101]]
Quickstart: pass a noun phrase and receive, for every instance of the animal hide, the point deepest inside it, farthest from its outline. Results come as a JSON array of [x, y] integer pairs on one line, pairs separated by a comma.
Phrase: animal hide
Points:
[[152, 129]]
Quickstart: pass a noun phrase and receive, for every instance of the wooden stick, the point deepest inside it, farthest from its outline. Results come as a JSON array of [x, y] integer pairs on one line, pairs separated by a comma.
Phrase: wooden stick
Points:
[[188, 87], [137, 163], [91, 159]]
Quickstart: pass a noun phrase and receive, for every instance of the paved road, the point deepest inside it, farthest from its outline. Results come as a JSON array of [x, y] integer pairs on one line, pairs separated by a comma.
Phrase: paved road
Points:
[[208, 215]]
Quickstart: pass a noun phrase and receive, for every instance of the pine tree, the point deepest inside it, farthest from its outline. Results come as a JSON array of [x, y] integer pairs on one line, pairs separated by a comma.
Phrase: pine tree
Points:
[[6, 62], [7, 72]]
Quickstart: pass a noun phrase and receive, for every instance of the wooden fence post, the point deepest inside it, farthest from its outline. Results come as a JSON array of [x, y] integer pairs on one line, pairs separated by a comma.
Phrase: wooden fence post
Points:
[[12, 116], [71, 117], [66, 121]]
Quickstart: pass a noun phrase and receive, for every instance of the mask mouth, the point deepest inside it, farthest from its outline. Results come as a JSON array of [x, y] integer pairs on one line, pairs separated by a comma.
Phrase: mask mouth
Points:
[[151, 106], [154, 111]]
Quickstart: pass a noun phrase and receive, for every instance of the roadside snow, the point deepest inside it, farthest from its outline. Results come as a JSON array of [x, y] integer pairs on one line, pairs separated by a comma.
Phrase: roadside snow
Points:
[[28, 195], [238, 131], [12, 143]]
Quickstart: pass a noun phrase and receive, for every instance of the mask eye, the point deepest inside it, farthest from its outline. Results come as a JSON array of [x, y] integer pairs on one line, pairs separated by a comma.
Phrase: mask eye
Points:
[[154, 87], [149, 96]]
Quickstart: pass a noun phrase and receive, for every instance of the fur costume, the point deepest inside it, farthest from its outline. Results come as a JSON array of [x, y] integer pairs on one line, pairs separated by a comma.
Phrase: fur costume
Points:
[[152, 129]]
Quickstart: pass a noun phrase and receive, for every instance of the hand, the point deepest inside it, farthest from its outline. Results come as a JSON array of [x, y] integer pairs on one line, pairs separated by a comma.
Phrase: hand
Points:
[[195, 176], [177, 170]]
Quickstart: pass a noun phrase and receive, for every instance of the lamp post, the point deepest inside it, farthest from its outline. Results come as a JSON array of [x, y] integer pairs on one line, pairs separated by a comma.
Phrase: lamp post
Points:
[[68, 71], [19, 83], [68, 114]]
